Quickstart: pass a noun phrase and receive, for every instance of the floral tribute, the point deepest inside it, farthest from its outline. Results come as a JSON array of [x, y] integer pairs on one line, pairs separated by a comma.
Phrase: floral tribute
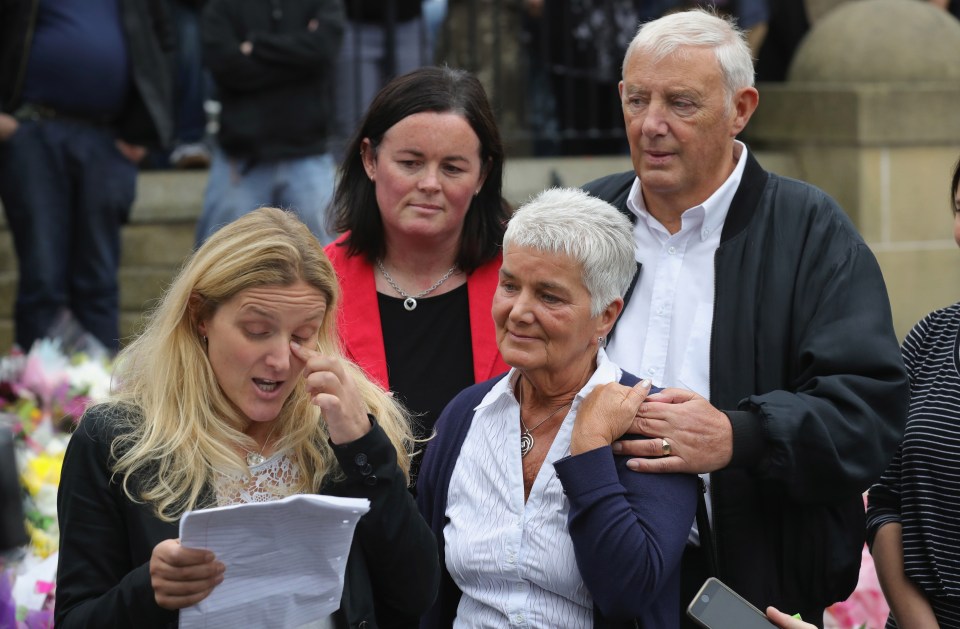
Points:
[[43, 394]]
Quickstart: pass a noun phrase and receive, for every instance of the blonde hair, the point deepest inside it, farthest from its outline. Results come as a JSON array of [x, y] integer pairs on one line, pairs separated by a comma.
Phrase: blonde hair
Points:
[[176, 424]]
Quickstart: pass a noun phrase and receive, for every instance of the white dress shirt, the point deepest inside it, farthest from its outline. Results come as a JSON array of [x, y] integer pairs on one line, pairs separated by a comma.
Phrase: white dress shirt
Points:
[[514, 560], [664, 331]]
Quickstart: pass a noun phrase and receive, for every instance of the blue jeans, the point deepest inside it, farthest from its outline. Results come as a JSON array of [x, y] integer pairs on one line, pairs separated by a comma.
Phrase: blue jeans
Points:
[[66, 192], [192, 81], [237, 186]]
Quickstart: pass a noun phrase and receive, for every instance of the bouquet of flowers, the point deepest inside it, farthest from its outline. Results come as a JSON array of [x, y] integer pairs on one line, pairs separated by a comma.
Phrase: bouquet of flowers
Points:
[[43, 393]]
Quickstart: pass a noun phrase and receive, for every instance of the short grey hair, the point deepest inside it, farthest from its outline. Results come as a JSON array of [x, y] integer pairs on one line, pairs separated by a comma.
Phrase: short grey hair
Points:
[[662, 37], [589, 230]]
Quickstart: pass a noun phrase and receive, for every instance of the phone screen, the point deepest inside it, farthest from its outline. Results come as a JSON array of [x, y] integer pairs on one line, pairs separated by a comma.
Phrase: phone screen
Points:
[[716, 606]]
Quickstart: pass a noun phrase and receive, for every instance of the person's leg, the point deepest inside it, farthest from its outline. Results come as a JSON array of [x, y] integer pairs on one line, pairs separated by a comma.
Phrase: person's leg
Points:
[[305, 186], [357, 79], [34, 189], [190, 150], [233, 189], [105, 189]]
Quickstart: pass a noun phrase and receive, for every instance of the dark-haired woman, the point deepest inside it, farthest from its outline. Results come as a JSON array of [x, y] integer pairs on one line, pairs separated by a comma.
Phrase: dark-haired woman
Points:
[[420, 208]]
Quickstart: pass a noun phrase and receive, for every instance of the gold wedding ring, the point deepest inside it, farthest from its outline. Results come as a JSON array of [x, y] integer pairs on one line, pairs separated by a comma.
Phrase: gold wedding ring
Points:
[[665, 445]]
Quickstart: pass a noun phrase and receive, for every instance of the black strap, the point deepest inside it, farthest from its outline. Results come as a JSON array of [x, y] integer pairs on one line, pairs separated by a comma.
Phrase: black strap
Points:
[[706, 533]]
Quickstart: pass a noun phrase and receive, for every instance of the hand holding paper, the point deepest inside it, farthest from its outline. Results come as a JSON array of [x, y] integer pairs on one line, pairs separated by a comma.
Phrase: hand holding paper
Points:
[[285, 560], [182, 576]]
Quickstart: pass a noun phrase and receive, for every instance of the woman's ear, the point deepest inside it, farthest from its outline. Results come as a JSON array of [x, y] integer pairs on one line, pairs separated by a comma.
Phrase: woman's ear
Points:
[[608, 316], [368, 155]]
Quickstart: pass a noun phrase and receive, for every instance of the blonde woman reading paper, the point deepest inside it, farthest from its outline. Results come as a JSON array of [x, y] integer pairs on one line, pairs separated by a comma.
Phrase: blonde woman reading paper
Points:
[[540, 525], [236, 392]]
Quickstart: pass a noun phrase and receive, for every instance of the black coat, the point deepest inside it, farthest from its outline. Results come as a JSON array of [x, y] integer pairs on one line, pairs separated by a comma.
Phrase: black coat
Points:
[[106, 540], [805, 362], [276, 101]]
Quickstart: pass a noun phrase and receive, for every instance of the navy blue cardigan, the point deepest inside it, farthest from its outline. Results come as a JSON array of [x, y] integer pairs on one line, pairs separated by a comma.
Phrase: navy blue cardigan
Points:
[[628, 529]]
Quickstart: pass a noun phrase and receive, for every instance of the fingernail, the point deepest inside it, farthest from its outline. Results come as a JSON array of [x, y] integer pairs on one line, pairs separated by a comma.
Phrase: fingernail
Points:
[[646, 383], [631, 464], [617, 447], [294, 345]]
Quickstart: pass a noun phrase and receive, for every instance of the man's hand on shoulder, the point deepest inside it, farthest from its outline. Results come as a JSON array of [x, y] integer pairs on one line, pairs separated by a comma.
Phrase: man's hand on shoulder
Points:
[[687, 434]]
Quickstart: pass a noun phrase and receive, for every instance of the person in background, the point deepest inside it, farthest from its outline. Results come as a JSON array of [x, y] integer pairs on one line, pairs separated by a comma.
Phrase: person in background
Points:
[[914, 510], [272, 63], [85, 87], [236, 392], [420, 207], [382, 40], [537, 521], [191, 88], [765, 314]]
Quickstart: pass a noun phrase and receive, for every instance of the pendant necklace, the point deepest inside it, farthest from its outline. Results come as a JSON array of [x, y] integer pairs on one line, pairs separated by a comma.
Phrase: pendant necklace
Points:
[[410, 301], [526, 439], [256, 458]]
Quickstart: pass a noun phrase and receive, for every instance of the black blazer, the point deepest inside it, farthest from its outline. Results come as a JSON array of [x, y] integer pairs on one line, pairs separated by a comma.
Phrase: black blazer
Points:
[[106, 540]]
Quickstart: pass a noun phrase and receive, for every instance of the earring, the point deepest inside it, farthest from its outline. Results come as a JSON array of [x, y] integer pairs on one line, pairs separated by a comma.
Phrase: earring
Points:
[[204, 337], [601, 341]]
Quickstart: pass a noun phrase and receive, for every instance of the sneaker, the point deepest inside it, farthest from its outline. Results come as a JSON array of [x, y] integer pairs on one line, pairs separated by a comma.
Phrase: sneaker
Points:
[[190, 156]]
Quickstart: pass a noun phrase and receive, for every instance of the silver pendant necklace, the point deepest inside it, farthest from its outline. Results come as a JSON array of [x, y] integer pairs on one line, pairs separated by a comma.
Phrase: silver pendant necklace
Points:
[[410, 301], [256, 458], [526, 438]]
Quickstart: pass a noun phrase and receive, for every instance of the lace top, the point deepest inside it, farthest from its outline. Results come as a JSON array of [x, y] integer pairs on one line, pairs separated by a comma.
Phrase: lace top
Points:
[[273, 479]]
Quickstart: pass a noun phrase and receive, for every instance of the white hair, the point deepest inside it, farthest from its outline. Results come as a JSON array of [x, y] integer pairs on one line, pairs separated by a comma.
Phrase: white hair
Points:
[[589, 230], [665, 36]]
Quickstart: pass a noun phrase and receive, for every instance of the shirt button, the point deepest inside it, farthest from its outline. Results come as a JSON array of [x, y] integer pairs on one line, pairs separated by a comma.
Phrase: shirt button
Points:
[[366, 470], [371, 480], [518, 618], [652, 370], [706, 233], [672, 250], [360, 459]]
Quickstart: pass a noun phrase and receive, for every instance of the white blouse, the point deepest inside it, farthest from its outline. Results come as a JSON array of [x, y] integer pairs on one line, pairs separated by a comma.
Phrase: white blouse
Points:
[[514, 561]]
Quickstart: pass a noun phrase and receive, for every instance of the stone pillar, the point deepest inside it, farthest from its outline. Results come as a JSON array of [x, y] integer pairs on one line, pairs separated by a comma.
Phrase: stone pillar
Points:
[[870, 114]]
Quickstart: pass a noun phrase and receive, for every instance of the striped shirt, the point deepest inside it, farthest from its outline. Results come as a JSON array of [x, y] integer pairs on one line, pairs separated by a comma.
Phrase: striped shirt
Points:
[[514, 560], [921, 486]]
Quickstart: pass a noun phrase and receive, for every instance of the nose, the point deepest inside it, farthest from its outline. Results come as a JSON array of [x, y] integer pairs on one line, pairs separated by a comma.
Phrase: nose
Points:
[[521, 310], [430, 181], [279, 356], [654, 121]]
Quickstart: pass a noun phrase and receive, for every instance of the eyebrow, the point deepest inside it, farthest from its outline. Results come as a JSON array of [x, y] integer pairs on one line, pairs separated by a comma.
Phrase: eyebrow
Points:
[[546, 284], [449, 158]]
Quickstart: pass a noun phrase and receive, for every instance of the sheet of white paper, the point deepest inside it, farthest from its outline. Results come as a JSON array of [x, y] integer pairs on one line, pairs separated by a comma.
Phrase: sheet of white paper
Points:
[[285, 560]]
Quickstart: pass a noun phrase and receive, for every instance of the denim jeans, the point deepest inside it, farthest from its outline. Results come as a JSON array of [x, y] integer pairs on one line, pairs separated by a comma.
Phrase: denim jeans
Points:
[[192, 81], [66, 192], [237, 186]]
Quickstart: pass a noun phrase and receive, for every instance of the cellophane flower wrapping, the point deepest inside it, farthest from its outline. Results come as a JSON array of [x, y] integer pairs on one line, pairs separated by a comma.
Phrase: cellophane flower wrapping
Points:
[[43, 394]]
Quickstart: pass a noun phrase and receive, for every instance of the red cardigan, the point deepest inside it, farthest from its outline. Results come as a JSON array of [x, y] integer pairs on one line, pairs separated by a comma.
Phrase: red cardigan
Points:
[[358, 317]]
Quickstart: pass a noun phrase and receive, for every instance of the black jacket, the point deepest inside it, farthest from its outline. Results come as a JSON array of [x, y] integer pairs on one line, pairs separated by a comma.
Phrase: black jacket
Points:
[[805, 362], [147, 118], [276, 101], [106, 540]]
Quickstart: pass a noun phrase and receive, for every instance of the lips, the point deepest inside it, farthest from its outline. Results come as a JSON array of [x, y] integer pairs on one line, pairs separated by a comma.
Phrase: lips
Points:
[[267, 386]]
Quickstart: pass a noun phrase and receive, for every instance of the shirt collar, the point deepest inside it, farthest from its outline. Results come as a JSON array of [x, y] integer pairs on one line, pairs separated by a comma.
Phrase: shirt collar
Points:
[[607, 371], [714, 209]]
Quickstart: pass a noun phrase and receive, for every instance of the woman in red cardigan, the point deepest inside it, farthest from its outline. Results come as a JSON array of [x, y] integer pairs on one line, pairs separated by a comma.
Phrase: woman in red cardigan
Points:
[[420, 209]]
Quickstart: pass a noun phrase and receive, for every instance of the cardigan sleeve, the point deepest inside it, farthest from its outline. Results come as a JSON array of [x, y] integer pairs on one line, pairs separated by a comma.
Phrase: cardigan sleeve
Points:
[[100, 580], [394, 541], [628, 529]]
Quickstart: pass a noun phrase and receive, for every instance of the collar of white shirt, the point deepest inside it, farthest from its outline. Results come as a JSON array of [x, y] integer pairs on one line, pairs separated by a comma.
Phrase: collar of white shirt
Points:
[[714, 209]]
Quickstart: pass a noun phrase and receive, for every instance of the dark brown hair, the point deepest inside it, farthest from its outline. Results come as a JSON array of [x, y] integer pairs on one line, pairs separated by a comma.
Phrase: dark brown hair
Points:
[[428, 89]]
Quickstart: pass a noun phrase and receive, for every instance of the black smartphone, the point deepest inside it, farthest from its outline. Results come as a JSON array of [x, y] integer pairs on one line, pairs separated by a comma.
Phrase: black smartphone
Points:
[[716, 606]]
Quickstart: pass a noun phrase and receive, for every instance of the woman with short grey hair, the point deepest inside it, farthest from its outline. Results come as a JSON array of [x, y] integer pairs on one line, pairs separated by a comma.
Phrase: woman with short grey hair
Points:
[[538, 522]]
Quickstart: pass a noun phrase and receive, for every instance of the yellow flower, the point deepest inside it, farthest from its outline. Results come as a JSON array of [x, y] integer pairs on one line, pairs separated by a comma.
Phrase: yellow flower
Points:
[[42, 469]]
